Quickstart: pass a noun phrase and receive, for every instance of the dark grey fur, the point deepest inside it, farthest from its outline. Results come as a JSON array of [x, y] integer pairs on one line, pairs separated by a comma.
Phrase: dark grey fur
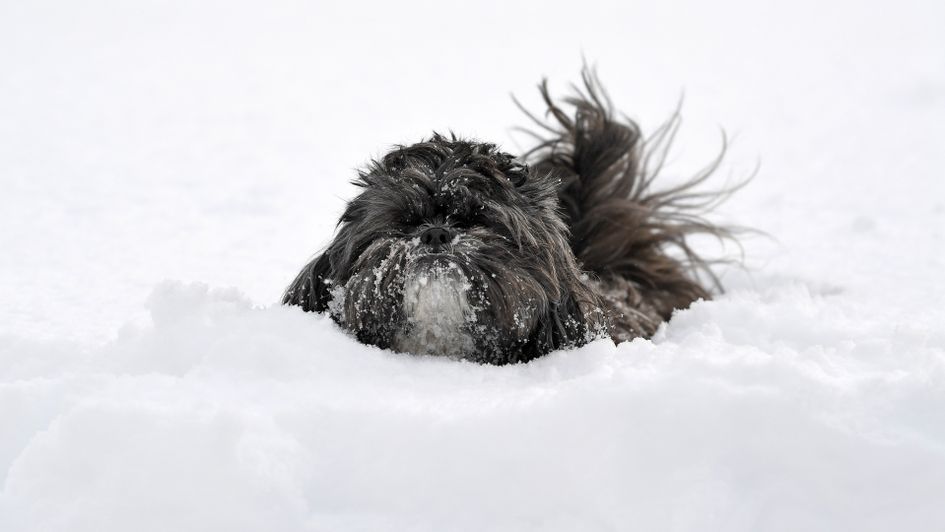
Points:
[[569, 247]]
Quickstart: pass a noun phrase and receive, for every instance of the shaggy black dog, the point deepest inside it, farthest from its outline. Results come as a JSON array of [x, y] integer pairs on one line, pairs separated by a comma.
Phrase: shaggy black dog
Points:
[[457, 248]]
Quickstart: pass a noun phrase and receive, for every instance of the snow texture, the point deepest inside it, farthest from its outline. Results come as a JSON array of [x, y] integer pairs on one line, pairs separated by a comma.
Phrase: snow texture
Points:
[[153, 153]]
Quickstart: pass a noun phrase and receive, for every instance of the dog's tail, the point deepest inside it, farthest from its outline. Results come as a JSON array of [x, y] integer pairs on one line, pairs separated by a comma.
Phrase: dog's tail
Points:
[[621, 227]]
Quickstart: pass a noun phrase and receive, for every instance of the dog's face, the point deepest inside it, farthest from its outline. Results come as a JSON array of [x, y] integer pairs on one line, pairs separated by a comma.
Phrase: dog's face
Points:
[[453, 248]]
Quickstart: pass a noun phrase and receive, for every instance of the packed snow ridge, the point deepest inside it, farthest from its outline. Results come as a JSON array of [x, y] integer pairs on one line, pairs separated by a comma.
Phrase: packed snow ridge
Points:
[[755, 411], [192, 141]]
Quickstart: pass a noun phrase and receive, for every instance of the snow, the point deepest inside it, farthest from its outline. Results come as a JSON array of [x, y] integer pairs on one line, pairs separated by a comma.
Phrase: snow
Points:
[[167, 167]]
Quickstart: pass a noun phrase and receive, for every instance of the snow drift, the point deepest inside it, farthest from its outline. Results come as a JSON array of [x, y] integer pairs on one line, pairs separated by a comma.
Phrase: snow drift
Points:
[[213, 141], [754, 412]]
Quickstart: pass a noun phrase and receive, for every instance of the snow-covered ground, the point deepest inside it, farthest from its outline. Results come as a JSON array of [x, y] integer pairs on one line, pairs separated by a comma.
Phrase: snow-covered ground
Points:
[[167, 166]]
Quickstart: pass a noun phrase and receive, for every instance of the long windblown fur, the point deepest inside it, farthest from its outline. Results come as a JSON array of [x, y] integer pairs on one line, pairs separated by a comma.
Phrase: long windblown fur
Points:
[[635, 238], [456, 248]]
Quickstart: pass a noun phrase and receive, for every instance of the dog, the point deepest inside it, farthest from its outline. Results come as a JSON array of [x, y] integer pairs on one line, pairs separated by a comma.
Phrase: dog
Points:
[[457, 248]]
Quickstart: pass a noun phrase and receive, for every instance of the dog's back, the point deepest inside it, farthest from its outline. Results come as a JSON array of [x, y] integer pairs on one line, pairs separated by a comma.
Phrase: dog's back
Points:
[[632, 237]]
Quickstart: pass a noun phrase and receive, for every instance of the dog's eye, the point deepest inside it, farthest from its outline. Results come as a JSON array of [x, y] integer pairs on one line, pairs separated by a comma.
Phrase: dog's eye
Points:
[[517, 173], [515, 170], [468, 222], [410, 220]]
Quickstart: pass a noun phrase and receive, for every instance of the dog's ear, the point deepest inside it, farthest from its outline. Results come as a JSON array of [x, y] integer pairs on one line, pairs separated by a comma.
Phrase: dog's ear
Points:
[[311, 288], [564, 324]]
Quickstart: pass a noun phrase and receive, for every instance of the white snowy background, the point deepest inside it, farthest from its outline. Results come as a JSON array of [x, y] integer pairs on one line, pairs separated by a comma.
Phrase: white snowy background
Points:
[[167, 166]]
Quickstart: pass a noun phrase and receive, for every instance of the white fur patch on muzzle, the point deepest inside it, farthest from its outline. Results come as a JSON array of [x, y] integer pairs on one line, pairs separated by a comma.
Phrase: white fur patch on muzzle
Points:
[[438, 312]]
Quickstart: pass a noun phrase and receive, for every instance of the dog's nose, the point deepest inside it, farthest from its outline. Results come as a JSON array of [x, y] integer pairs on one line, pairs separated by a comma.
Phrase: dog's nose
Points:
[[436, 237]]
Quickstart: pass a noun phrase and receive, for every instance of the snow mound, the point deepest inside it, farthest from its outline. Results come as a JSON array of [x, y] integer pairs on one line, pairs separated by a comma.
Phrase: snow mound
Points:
[[777, 410], [213, 141]]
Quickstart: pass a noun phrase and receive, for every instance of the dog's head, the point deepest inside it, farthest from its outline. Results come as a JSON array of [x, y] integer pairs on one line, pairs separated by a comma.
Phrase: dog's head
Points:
[[453, 248]]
